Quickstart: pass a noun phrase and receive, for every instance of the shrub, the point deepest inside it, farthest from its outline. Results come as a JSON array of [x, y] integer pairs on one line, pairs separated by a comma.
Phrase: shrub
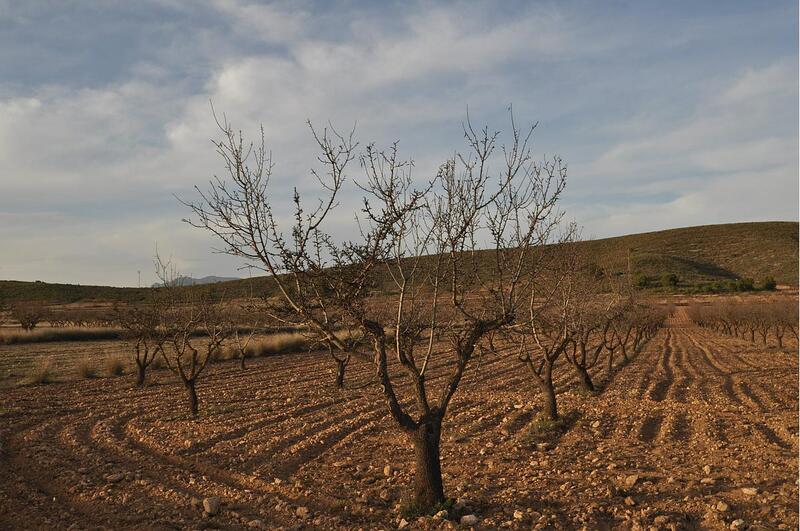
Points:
[[669, 280], [745, 284], [705, 288], [543, 428], [86, 369], [595, 271], [115, 366], [640, 280], [769, 284], [41, 373]]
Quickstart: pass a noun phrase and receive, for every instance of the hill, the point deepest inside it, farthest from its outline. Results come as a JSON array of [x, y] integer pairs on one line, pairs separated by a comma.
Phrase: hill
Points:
[[696, 255], [708, 253]]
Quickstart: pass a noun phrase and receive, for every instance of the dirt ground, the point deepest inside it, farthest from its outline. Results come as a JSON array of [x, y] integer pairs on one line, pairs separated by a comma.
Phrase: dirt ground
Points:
[[670, 442]]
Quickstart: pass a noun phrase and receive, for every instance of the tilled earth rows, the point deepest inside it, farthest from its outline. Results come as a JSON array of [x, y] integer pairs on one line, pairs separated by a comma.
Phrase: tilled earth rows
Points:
[[670, 442]]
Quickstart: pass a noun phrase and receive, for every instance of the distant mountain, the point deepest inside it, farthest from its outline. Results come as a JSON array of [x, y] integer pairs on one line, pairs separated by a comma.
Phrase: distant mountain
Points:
[[189, 281]]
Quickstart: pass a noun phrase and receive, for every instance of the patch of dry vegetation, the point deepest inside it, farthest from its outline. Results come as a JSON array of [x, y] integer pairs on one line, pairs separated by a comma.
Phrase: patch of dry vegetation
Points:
[[17, 335], [41, 373], [115, 366], [86, 368]]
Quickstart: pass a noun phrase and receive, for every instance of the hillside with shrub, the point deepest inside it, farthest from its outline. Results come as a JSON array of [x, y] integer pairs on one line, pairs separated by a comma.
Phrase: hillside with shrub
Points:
[[726, 257]]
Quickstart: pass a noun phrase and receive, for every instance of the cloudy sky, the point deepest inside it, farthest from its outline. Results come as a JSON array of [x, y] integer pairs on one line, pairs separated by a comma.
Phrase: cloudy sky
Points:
[[668, 113]]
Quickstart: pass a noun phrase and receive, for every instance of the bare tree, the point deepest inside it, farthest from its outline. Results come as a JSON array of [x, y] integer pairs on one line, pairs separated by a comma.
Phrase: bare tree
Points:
[[542, 334], [744, 320], [195, 326], [783, 315], [595, 307], [245, 323], [145, 330], [29, 313], [419, 246]]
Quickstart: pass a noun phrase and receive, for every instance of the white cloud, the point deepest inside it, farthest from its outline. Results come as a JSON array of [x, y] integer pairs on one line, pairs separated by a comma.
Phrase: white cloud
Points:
[[87, 170], [732, 161]]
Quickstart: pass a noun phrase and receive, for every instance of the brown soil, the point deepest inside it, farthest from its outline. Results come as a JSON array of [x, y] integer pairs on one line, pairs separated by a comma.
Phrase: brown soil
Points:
[[278, 436]]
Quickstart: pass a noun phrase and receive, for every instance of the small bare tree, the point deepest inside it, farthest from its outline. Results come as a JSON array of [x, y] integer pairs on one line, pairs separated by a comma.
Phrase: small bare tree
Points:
[[542, 334], [28, 314], [195, 328], [145, 331], [595, 307], [417, 245], [245, 324]]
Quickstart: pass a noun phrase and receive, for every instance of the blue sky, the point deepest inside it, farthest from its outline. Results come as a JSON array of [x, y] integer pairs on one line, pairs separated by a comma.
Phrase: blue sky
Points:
[[668, 113]]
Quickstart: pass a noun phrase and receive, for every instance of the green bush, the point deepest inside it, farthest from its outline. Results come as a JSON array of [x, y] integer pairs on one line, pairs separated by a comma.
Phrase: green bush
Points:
[[769, 284], [669, 280], [640, 280]]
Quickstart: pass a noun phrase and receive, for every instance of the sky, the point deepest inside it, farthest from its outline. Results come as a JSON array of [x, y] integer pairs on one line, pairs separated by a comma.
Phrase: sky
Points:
[[668, 114]]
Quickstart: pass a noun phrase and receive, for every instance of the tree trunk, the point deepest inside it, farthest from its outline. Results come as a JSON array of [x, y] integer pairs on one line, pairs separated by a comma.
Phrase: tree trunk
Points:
[[341, 365], [550, 407], [192, 397], [140, 373], [428, 489], [241, 362], [584, 378], [610, 362]]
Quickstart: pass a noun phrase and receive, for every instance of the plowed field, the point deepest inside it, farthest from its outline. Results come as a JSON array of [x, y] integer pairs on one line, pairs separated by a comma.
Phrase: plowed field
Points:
[[277, 437]]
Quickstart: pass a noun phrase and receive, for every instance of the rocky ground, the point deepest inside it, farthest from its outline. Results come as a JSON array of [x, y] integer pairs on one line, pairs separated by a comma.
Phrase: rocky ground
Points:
[[699, 431]]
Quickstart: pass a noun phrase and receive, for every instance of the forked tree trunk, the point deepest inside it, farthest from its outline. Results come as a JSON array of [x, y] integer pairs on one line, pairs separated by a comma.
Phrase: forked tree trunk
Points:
[[428, 488], [193, 404]]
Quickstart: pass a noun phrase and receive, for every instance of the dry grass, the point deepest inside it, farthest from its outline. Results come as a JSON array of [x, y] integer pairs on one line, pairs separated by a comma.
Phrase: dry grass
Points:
[[279, 343], [41, 373], [225, 353], [115, 366], [17, 335], [86, 369], [282, 343]]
